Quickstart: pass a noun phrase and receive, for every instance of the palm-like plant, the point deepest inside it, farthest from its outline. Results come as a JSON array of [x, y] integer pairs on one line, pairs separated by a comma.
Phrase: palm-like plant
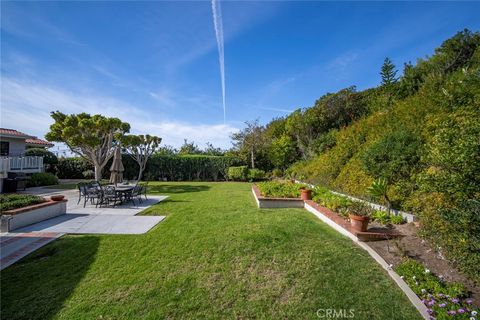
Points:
[[378, 190]]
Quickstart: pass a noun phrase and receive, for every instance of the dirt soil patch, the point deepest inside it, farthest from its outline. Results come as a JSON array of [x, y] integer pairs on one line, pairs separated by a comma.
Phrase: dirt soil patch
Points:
[[412, 246]]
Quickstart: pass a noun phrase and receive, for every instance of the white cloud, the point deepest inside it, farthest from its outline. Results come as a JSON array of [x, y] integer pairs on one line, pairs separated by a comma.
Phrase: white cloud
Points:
[[26, 107], [173, 133]]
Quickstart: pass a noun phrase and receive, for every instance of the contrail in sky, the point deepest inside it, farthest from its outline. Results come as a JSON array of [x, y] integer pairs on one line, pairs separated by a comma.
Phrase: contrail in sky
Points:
[[217, 23]]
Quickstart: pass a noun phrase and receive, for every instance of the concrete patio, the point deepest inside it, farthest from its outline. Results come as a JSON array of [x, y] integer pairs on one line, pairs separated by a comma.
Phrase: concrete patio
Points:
[[120, 219]]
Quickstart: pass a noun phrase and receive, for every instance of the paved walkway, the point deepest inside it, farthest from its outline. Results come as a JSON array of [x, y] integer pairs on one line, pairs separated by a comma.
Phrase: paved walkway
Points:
[[14, 246], [78, 220]]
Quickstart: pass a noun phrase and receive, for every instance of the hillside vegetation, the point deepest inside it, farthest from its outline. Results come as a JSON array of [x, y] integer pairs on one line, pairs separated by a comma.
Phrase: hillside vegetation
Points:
[[419, 131]]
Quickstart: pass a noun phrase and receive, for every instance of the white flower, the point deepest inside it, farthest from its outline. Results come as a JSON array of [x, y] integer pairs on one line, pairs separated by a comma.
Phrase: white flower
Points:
[[474, 313], [414, 277], [427, 270], [423, 290], [401, 277]]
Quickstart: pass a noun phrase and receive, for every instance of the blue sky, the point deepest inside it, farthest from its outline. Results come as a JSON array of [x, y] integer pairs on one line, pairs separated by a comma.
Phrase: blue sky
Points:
[[156, 65]]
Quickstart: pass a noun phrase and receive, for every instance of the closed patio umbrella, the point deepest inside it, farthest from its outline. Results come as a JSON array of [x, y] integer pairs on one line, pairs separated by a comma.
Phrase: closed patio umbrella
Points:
[[116, 170]]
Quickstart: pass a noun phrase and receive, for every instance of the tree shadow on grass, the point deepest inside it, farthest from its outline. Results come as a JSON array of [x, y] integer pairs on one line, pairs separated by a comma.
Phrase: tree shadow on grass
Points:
[[37, 286], [177, 188]]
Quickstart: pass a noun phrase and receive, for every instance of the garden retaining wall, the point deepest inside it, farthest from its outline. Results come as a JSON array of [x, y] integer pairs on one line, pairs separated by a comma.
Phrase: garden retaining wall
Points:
[[21, 217], [264, 202], [407, 215]]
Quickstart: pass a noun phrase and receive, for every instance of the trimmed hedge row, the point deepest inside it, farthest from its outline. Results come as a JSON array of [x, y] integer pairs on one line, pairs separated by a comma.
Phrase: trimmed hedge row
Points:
[[159, 167]]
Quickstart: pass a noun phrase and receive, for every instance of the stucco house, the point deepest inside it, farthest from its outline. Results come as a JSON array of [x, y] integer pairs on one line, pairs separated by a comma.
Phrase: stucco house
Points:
[[13, 145]]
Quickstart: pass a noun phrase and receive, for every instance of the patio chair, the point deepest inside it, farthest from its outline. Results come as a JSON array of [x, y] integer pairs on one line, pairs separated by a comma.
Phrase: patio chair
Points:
[[95, 184], [144, 186], [109, 195], [87, 193], [136, 194]]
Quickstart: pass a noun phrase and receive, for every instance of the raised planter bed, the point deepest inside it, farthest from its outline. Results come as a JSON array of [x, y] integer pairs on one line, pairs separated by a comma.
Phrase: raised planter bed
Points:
[[21, 217], [265, 202]]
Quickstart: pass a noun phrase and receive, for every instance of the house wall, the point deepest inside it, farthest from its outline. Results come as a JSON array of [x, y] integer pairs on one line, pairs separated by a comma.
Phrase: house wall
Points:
[[16, 147]]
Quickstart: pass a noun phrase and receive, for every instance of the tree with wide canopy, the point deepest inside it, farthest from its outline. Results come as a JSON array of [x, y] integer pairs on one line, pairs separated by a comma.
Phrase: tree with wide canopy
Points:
[[93, 138]]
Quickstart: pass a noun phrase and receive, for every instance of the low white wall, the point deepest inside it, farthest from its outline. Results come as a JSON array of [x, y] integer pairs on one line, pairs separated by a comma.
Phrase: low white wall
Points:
[[12, 222], [264, 203]]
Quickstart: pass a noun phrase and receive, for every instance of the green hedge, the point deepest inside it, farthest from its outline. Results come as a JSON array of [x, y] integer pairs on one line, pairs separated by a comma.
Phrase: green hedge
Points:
[[159, 167], [72, 168], [183, 168]]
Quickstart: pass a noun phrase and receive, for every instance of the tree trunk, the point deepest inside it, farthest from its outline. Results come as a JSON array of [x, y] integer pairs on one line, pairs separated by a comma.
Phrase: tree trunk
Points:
[[252, 159], [389, 205], [140, 172], [98, 172]]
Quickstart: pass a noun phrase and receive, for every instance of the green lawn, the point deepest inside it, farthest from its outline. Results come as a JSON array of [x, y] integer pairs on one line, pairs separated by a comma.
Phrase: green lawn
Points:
[[63, 186], [216, 256]]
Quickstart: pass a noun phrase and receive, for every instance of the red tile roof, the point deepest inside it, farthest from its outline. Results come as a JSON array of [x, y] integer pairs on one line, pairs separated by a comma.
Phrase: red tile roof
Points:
[[11, 132], [39, 142], [29, 140]]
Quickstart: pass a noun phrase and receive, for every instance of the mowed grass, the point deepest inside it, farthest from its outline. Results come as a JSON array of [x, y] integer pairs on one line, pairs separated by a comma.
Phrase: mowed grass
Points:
[[216, 256]]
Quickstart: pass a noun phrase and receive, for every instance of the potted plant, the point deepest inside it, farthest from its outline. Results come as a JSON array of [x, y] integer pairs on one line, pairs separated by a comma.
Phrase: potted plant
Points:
[[305, 193], [57, 197], [359, 214]]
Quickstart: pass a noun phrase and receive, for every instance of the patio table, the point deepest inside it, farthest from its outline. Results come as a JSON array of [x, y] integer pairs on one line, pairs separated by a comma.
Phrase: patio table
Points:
[[123, 190]]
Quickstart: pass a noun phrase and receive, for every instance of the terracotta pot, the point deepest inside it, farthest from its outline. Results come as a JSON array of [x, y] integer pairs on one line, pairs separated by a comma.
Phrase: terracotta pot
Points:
[[359, 223], [58, 197], [306, 194]]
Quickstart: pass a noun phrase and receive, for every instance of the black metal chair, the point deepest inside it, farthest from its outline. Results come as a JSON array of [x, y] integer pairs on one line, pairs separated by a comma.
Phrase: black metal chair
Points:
[[136, 193], [109, 195], [144, 186], [88, 194]]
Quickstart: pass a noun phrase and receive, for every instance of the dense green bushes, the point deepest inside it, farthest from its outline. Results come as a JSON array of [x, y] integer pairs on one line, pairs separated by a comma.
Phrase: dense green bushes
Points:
[[48, 157], [72, 168], [238, 173], [14, 201], [42, 179], [255, 175], [242, 173], [277, 189]]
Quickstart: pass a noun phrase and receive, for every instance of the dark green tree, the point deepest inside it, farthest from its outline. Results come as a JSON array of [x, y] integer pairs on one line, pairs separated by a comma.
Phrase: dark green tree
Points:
[[388, 72], [189, 148], [250, 140]]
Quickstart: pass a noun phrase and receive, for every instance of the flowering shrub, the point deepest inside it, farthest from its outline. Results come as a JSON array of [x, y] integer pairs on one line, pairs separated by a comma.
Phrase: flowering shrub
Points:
[[443, 300]]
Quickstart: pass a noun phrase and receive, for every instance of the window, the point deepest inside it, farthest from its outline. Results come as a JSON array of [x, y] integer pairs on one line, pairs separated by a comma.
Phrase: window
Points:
[[4, 147]]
